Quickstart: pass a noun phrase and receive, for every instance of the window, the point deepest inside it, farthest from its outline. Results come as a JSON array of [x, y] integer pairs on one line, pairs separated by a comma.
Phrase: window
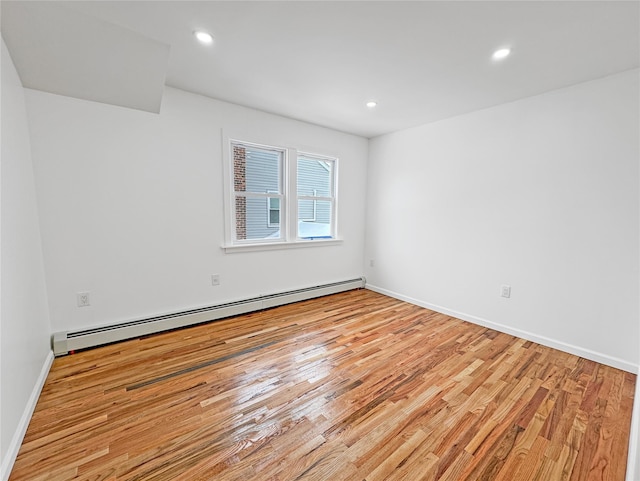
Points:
[[278, 201], [316, 196], [258, 191]]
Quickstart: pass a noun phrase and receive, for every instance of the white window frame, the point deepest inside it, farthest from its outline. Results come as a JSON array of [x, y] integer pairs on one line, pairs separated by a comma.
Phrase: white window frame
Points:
[[288, 199]]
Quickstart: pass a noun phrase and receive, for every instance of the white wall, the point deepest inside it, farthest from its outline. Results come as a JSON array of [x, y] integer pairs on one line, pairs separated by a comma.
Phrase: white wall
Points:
[[131, 207], [540, 194], [25, 353]]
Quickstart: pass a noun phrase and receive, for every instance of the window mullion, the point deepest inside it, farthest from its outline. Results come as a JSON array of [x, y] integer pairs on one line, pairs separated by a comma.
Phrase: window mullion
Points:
[[292, 189]]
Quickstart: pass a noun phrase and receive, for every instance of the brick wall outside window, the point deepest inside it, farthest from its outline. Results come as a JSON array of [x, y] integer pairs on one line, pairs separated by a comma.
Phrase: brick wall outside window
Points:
[[240, 185]]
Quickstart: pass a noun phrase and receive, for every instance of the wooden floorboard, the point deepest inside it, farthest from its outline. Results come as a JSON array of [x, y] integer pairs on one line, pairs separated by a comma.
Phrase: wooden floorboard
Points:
[[354, 386]]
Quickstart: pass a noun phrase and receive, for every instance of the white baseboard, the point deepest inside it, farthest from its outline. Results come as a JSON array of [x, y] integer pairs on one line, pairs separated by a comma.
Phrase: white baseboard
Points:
[[633, 461], [63, 342], [21, 429], [529, 336]]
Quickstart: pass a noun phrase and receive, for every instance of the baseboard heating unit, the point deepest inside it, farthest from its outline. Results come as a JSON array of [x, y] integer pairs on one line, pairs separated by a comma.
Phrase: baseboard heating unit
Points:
[[64, 342]]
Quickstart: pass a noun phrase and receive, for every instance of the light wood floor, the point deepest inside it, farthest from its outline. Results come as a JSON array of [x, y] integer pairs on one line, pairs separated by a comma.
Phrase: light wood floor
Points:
[[353, 386]]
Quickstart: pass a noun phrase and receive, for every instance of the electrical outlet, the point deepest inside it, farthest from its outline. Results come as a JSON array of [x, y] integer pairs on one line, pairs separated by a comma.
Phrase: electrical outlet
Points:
[[372, 263], [215, 280], [505, 291], [83, 299]]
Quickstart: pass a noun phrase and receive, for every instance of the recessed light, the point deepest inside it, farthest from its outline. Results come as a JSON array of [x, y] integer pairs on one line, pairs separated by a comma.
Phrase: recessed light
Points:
[[371, 104], [204, 37], [501, 53]]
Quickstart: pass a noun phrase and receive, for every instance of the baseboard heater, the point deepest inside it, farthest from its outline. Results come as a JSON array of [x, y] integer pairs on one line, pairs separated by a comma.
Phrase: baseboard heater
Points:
[[64, 342]]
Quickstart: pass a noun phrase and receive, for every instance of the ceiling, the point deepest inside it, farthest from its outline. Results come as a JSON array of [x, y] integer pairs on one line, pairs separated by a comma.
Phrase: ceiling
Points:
[[320, 61]]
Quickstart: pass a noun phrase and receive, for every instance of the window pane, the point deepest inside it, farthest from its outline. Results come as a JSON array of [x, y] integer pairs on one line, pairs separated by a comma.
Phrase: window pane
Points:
[[274, 212], [307, 210], [255, 169], [274, 218], [319, 228], [258, 223], [241, 218], [314, 177], [239, 170]]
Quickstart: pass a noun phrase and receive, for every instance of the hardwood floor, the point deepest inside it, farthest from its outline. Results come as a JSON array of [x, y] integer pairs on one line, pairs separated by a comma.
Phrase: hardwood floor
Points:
[[354, 386]]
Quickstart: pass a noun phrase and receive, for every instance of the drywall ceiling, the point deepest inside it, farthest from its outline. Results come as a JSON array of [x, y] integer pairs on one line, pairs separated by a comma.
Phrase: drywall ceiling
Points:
[[66, 52], [321, 61]]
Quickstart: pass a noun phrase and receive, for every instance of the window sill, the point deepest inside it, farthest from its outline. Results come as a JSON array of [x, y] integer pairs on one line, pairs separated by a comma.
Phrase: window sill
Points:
[[272, 246]]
